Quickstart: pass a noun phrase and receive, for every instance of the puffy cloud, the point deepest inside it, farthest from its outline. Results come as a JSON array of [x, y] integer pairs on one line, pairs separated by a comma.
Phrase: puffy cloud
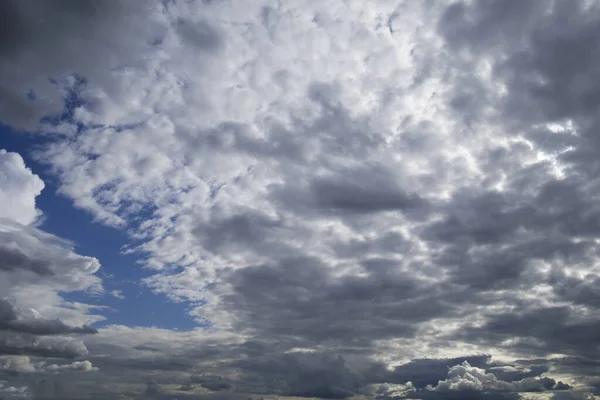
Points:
[[85, 366], [35, 322], [33, 261], [41, 45], [20, 187], [423, 372], [18, 364], [464, 377]]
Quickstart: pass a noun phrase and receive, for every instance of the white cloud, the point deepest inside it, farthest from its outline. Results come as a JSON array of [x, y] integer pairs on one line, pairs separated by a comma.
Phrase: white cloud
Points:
[[35, 265], [465, 377], [117, 294], [35, 269], [20, 187], [62, 270], [17, 364], [84, 366]]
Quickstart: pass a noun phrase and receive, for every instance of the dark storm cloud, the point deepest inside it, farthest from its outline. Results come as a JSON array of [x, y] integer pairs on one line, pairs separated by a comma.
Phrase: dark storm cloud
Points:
[[50, 30], [36, 326], [250, 230], [31, 345], [310, 374], [584, 291], [216, 386], [13, 259], [547, 57], [462, 395], [299, 297], [29, 337], [554, 329], [489, 240], [364, 190], [56, 38]]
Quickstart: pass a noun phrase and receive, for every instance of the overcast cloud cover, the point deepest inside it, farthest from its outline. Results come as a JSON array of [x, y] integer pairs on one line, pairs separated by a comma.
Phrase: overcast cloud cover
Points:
[[350, 199]]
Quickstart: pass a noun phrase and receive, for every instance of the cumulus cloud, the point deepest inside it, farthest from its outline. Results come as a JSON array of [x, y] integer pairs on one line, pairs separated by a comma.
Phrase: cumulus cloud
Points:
[[34, 267], [20, 187], [13, 392], [33, 261], [84, 366], [464, 377], [18, 364], [56, 35]]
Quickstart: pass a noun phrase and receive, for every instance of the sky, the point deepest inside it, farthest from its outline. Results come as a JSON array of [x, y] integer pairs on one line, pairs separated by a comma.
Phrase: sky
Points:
[[333, 199]]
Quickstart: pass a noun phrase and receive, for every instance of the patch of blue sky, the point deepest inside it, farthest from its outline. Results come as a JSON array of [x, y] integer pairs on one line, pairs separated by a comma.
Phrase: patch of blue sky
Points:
[[121, 272]]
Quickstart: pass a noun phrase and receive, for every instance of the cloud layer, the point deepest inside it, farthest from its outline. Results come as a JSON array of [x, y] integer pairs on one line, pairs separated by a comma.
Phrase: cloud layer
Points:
[[342, 194]]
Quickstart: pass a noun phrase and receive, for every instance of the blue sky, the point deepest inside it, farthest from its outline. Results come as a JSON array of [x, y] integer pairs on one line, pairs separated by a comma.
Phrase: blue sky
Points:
[[139, 307], [333, 199]]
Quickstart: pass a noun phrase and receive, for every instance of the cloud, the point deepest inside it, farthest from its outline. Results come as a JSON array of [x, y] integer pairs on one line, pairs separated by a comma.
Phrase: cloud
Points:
[[425, 372], [307, 374], [17, 364], [35, 321], [338, 202], [85, 366], [573, 395], [26, 250], [39, 45], [20, 187], [304, 300], [12, 259]]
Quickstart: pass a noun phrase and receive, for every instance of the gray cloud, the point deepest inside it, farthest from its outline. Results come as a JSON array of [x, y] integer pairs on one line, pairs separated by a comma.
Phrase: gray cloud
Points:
[[13, 259], [352, 191], [27, 344], [36, 326], [363, 195], [554, 328], [55, 33], [298, 297], [475, 383]]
